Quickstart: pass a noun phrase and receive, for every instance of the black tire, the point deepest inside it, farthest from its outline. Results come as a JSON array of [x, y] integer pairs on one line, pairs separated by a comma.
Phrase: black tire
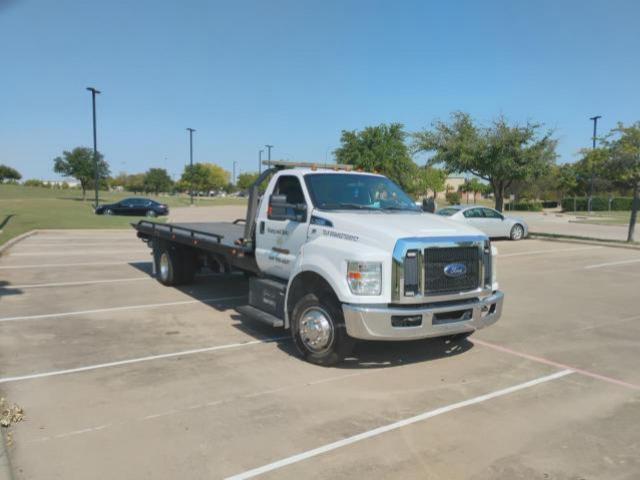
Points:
[[328, 307], [174, 266], [517, 232], [108, 211], [151, 214]]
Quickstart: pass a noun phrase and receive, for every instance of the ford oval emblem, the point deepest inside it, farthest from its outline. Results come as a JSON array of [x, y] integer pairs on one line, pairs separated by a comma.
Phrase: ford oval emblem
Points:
[[455, 270]]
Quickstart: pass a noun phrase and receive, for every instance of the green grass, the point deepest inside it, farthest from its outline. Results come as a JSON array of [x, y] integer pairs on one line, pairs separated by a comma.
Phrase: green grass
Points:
[[28, 208], [602, 218]]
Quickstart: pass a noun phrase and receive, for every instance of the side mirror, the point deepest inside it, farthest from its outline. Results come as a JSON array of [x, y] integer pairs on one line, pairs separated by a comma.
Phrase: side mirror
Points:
[[280, 209]]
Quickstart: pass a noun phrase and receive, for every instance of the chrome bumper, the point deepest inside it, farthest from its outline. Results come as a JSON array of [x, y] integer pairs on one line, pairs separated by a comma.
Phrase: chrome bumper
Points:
[[373, 322]]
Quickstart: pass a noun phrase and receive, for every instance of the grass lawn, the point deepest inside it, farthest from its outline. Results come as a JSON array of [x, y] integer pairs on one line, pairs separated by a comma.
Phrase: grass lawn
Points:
[[602, 218], [27, 208]]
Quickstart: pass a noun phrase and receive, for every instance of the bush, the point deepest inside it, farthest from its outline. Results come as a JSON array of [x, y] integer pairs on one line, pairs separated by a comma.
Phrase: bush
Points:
[[550, 204], [33, 183], [453, 198], [598, 204], [526, 206]]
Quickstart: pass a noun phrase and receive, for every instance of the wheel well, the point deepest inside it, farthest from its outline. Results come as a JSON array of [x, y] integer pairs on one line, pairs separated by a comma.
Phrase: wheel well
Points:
[[304, 283]]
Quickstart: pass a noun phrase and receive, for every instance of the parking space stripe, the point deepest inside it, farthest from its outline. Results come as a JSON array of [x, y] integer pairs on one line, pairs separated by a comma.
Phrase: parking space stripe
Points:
[[118, 309], [555, 250], [73, 253], [395, 426], [64, 265], [139, 360], [552, 363], [611, 264], [70, 284]]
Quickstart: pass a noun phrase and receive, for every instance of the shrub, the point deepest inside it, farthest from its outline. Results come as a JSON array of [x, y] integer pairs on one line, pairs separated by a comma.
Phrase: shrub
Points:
[[550, 204], [453, 198], [32, 182], [526, 206], [598, 204]]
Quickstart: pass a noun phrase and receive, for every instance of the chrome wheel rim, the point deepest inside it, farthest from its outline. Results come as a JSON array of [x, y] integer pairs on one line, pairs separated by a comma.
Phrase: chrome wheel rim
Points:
[[316, 330], [151, 213], [164, 266], [517, 232], [108, 212]]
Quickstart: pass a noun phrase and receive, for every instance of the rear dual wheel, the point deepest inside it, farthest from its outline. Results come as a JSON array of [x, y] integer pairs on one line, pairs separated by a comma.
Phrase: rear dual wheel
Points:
[[175, 266]]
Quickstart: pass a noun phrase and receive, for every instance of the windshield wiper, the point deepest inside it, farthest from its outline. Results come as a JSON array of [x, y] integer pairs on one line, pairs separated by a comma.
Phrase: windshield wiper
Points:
[[338, 205], [404, 209]]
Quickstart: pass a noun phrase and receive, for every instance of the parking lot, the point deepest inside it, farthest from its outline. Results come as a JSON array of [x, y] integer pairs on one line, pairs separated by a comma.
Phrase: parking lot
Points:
[[121, 377]]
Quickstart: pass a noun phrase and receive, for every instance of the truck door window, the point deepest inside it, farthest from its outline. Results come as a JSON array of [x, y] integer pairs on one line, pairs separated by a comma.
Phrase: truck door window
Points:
[[290, 187]]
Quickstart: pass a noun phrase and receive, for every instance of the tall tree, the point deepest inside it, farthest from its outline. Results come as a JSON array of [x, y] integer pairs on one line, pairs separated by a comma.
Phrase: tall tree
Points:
[[623, 144], [9, 173], [157, 180], [79, 164], [135, 182], [246, 179], [203, 177], [379, 149], [499, 154]]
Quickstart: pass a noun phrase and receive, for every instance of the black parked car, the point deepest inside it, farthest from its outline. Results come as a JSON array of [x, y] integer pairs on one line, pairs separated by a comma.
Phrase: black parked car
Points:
[[134, 206]]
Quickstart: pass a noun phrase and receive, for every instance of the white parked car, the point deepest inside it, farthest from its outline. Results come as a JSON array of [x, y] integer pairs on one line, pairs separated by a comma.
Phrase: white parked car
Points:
[[487, 220]]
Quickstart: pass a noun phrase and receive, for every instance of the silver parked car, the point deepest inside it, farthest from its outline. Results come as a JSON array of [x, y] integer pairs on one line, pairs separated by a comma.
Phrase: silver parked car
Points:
[[488, 220]]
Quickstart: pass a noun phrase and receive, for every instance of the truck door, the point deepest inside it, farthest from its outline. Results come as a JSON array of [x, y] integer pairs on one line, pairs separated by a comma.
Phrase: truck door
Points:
[[278, 241]]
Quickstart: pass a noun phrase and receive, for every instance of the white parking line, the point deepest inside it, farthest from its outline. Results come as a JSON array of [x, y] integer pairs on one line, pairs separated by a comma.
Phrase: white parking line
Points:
[[139, 360], [611, 264], [555, 250], [394, 426], [57, 253], [69, 284], [135, 242], [62, 265], [118, 309]]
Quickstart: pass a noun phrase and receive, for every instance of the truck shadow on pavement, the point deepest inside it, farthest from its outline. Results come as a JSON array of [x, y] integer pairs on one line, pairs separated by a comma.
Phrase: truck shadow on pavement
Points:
[[6, 289], [230, 290]]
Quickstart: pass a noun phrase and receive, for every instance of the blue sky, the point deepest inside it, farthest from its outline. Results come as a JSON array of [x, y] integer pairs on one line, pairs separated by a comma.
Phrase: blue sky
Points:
[[296, 73]]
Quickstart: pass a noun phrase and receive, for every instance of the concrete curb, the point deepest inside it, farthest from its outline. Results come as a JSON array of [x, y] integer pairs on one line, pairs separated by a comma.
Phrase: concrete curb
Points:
[[10, 243], [6, 472], [582, 240]]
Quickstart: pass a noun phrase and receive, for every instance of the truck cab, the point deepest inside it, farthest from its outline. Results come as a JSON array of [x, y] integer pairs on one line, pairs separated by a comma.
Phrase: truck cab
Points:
[[336, 256]]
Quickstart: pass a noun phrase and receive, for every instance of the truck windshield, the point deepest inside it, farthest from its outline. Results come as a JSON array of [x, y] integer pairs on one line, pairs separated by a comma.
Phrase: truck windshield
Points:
[[340, 191]]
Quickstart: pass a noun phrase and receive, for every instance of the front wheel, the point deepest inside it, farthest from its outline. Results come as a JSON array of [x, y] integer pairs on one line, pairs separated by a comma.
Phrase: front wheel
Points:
[[318, 329], [517, 232], [151, 214], [108, 211]]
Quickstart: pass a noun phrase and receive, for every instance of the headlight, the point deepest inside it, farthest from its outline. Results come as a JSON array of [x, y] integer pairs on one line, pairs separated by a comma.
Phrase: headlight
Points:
[[365, 278]]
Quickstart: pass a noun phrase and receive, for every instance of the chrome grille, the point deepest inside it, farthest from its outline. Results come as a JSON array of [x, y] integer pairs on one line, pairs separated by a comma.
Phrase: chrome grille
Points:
[[411, 273], [436, 259]]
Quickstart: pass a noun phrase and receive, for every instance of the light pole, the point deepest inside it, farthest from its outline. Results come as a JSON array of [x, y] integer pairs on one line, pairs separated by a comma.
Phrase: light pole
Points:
[[260, 161], [269, 147], [191, 130], [234, 172], [595, 130], [95, 92]]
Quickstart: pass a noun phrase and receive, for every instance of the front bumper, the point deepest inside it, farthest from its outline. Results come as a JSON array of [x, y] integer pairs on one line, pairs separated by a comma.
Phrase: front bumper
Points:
[[376, 322]]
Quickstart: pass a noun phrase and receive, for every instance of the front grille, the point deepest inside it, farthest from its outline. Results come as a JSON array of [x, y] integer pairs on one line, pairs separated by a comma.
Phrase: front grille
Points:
[[411, 274], [436, 260]]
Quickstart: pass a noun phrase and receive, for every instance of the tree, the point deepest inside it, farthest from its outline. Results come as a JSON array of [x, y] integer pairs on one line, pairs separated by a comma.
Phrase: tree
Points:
[[203, 177], [135, 183], [429, 178], [473, 186], [157, 180], [33, 182], [9, 173], [79, 164], [623, 165], [499, 154], [379, 149], [246, 179]]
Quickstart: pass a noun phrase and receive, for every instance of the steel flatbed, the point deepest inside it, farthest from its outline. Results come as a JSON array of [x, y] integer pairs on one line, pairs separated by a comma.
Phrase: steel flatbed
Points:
[[216, 239]]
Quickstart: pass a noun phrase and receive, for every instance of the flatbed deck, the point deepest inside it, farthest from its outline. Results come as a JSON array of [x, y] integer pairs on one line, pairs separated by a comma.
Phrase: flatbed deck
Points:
[[219, 238]]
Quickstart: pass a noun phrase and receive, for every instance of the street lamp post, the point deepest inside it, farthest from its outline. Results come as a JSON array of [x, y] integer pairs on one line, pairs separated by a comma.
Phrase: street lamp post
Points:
[[269, 147], [595, 130], [191, 130], [234, 171], [95, 92], [260, 161]]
